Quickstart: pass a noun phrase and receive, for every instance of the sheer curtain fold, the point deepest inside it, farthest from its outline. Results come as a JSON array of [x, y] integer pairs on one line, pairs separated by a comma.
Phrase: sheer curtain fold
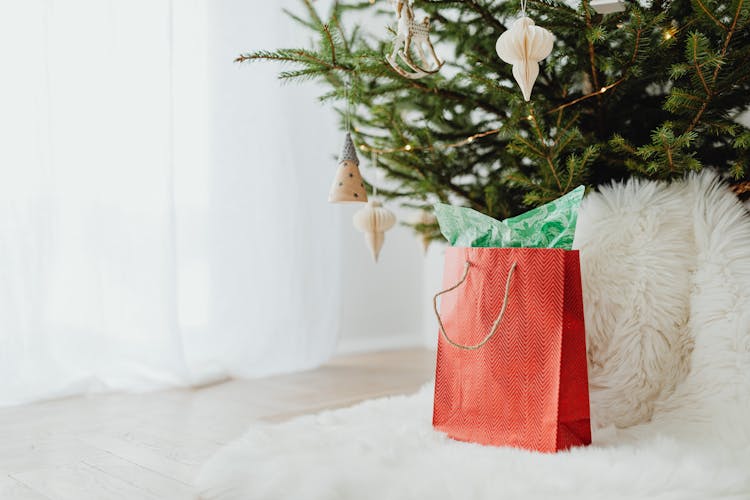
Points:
[[134, 252]]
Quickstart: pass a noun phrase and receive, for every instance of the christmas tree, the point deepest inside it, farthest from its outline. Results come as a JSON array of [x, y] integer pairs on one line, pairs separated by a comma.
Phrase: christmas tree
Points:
[[653, 91]]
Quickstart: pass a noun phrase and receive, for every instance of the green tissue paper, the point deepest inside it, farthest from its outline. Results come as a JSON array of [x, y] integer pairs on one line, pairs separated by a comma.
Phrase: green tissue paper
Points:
[[550, 226]]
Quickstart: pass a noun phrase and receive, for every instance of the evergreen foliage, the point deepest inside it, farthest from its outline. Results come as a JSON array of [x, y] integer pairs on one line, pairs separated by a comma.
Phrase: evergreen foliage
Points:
[[651, 92]]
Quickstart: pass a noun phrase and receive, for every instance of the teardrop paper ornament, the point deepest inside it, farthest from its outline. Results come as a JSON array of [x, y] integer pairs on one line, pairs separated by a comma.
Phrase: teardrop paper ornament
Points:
[[523, 46], [348, 185], [374, 220]]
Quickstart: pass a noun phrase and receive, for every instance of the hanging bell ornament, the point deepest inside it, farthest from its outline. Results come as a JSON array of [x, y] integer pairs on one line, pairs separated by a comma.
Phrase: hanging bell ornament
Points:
[[523, 46], [374, 220], [348, 185]]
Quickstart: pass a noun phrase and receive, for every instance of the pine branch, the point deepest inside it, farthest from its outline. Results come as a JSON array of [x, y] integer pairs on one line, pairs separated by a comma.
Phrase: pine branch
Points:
[[709, 93], [592, 54], [710, 15], [657, 102], [331, 44], [697, 65]]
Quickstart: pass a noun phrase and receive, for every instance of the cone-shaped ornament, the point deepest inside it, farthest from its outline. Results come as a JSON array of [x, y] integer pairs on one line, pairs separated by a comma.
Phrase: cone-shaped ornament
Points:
[[426, 218], [374, 220], [348, 185], [523, 46], [426, 242]]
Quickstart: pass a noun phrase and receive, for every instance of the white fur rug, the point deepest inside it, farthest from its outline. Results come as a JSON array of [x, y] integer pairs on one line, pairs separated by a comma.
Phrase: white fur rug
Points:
[[666, 275]]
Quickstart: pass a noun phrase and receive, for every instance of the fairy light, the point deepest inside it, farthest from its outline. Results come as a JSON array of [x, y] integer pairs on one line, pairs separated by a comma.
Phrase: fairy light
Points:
[[587, 96], [408, 148], [669, 34]]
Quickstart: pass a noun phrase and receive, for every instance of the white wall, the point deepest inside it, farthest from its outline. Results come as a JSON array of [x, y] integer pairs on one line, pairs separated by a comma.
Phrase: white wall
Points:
[[383, 304], [433, 282]]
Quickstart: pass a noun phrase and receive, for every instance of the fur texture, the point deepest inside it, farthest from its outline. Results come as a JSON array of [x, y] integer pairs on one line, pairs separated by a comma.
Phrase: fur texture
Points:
[[666, 272], [637, 258]]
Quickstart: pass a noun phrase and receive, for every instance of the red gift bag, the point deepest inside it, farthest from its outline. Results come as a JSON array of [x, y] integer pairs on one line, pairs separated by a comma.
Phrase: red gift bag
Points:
[[511, 362]]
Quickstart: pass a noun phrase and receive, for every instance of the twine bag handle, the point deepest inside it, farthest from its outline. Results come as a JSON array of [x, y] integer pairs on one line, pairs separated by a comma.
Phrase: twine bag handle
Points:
[[495, 325]]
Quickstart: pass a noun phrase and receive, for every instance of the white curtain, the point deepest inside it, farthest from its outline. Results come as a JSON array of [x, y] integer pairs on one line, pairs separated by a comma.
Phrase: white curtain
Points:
[[159, 225]]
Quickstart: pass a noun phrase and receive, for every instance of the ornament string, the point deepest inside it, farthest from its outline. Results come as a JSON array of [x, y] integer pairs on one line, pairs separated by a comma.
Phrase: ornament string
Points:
[[348, 106], [375, 169], [523, 8]]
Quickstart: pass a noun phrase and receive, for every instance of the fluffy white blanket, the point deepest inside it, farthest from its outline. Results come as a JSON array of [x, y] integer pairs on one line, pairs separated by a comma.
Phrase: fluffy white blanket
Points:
[[666, 274]]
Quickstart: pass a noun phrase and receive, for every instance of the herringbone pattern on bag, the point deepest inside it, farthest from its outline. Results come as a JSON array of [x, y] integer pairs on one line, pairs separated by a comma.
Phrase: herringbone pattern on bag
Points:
[[507, 392]]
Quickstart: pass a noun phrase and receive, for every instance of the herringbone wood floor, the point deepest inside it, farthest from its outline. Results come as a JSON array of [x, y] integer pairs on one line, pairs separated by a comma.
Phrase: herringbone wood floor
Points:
[[132, 447]]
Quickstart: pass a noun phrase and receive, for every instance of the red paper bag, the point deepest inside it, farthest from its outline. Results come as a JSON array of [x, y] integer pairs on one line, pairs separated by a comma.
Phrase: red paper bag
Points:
[[511, 363]]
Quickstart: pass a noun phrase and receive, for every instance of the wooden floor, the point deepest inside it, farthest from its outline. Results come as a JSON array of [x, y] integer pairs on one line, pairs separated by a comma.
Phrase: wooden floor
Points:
[[151, 446]]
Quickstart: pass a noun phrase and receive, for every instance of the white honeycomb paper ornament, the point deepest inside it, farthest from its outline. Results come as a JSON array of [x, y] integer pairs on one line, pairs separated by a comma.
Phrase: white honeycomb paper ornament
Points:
[[523, 46], [374, 220]]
